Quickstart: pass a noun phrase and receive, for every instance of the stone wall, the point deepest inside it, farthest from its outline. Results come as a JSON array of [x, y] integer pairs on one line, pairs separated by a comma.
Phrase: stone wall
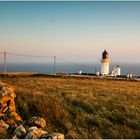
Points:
[[11, 124]]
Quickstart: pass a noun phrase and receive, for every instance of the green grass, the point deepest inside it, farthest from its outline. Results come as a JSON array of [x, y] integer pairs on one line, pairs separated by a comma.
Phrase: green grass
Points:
[[79, 107]]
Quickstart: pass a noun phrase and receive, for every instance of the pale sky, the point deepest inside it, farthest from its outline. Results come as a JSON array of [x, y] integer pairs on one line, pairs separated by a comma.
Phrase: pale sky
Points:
[[75, 31]]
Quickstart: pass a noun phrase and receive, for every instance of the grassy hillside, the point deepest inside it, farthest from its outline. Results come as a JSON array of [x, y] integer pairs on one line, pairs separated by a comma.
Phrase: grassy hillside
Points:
[[81, 108]]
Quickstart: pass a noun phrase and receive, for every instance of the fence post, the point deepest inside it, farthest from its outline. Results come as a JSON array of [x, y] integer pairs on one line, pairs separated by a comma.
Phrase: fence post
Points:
[[54, 64], [5, 63]]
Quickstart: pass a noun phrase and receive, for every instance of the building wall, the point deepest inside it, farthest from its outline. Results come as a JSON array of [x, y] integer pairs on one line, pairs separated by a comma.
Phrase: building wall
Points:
[[118, 71], [105, 68]]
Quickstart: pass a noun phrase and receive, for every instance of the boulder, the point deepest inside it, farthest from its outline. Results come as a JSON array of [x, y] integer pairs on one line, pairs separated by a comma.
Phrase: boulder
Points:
[[3, 127], [53, 135], [6, 90], [15, 137], [37, 121], [35, 133], [20, 132], [11, 129]]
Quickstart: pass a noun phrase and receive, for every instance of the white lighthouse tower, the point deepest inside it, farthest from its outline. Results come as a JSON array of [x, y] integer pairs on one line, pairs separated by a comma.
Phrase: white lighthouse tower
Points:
[[105, 63]]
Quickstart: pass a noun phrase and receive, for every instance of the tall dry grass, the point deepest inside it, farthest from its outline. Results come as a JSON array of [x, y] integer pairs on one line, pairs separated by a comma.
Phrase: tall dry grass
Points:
[[81, 108]]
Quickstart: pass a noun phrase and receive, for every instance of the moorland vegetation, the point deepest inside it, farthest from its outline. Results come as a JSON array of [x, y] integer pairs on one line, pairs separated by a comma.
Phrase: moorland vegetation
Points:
[[80, 107]]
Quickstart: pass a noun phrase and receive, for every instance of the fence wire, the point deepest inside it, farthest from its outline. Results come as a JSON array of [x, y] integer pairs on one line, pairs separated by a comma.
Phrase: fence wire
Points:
[[43, 64]]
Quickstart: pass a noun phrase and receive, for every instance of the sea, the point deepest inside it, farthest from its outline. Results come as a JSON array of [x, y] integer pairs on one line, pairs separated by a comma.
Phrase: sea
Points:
[[48, 68]]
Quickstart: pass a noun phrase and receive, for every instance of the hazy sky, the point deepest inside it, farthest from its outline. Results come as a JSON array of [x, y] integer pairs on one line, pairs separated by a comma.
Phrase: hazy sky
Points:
[[75, 31]]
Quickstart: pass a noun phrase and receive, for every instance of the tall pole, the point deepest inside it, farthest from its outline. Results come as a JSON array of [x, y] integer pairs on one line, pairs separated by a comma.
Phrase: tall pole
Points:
[[5, 63], [54, 64]]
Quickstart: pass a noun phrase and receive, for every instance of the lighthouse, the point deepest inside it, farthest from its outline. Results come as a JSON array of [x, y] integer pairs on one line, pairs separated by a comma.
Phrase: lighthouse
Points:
[[105, 63]]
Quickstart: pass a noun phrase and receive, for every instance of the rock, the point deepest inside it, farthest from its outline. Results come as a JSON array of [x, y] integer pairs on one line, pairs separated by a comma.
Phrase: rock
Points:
[[6, 90], [37, 121], [11, 129], [15, 117], [8, 114], [53, 135], [15, 137], [20, 131], [35, 133], [3, 127], [7, 104], [7, 96], [4, 100]]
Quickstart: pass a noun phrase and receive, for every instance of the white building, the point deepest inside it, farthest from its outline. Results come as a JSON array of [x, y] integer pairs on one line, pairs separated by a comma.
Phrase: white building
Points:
[[80, 72], [129, 75], [97, 73], [116, 71], [105, 63]]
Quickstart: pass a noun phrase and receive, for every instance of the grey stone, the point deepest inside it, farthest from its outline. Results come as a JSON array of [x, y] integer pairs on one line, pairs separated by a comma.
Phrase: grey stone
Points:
[[37, 121], [3, 127], [35, 133], [53, 135], [15, 137], [20, 131]]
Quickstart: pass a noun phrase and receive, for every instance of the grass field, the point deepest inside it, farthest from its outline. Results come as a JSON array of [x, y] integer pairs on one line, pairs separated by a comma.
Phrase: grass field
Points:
[[80, 108]]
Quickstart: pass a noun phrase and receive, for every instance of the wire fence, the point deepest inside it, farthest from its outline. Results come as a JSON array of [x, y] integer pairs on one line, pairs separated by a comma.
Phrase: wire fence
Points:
[[16, 62]]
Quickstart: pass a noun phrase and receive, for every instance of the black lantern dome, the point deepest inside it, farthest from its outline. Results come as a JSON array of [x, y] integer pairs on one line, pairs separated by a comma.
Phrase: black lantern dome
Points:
[[105, 55]]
